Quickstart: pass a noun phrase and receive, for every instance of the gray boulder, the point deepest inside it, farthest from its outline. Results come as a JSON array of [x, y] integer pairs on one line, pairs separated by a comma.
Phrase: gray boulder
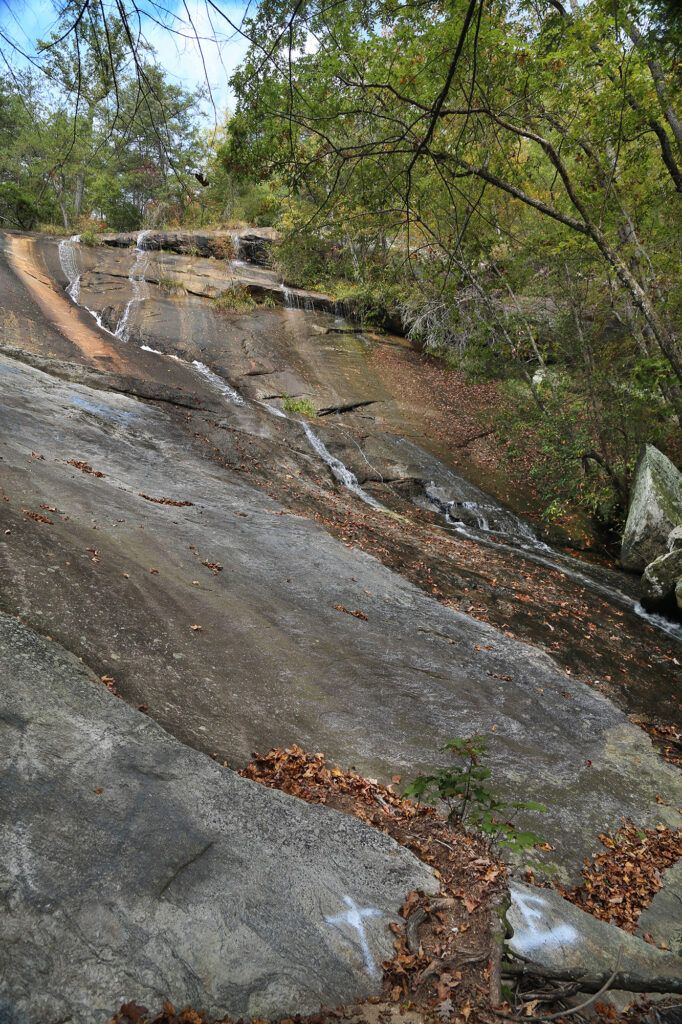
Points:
[[655, 509], [662, 919], [675, 539], [550, 931], [132, 867], [660, 579]]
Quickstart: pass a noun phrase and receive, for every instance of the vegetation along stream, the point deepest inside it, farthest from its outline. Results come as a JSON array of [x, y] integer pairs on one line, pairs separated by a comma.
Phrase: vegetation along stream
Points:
[[340, 512]]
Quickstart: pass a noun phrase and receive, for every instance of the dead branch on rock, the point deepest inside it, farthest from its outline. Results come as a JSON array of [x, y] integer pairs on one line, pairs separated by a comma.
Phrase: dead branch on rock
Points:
[[625, 981]]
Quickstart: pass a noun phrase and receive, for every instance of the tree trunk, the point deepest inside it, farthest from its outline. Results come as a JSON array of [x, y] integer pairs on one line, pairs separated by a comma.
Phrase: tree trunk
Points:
[[79, 193]]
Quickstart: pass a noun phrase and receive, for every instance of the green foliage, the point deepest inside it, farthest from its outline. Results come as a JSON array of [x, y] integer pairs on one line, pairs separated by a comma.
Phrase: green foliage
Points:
[[88, 237], [237, 299], [582, 434], [299, 405], [467, 793], [18, 208], [102, 138], [540, 198]]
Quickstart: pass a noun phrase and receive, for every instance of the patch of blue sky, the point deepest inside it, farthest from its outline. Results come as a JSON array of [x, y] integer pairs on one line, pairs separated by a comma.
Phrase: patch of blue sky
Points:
[[197, 43]]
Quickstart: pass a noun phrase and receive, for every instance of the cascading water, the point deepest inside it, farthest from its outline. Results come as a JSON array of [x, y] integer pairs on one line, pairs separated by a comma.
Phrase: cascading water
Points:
[[470, 513], [341, 472], [523, 541], [291, 298], [218, 383], [67, 260], [137, 284], [296, 300], [69, 264], [237, 261]]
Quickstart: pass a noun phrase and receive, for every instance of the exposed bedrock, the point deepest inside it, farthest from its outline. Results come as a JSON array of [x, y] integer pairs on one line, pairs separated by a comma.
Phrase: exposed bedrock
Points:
[[121, 580], [134, 868]]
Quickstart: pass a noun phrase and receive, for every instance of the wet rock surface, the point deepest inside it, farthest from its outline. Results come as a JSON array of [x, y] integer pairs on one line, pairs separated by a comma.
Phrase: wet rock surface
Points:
[[254, 244], [164, 520], [133, 867], [121, 579]]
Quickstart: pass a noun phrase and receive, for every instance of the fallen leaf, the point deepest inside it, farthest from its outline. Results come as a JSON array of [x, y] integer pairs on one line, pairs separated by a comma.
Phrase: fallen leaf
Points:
[[84, 467]]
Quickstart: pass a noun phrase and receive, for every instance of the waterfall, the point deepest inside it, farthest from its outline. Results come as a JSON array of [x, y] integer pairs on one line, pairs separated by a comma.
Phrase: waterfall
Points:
[[594, 577], [137, 284], [67, 260], [218, 383], [291, 298], [341, 472]]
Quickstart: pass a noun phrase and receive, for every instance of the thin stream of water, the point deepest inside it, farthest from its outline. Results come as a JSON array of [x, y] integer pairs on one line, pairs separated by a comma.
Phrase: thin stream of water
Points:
[[537, 551], [67, 258], [138, 286], [491, 520]]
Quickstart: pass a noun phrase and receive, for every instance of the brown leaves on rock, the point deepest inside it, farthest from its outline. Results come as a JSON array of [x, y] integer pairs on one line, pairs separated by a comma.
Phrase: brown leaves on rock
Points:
[[621, 882], [166, 501], [667, 739], [84, 467], [357, 614], [215, 567], [110, 684], [133, 1013], [443, 951], [37, 517]]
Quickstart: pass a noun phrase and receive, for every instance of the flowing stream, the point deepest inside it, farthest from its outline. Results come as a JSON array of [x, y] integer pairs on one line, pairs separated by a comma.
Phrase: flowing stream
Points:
[[340, 471], [465, 509], [138, 286], [497, 527], [69, 265]]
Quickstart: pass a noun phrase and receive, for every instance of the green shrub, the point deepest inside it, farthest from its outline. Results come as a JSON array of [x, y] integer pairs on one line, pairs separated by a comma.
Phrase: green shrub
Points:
[[235, 300], [471, 802], [88, 237], [171, 286], [299, 405], [17, 206]]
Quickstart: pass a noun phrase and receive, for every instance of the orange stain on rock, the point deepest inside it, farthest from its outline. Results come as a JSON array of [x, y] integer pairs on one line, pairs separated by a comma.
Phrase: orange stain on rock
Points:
[[59, 310]]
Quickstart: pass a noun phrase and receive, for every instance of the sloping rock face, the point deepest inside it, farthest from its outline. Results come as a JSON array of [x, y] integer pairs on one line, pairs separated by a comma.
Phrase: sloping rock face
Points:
[[663, 917], [132, 867], [554, 933], [655, 508], [276, 661]]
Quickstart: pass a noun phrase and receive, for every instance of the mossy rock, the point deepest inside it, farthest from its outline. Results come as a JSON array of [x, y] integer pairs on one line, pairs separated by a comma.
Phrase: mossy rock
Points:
[[655, 509]]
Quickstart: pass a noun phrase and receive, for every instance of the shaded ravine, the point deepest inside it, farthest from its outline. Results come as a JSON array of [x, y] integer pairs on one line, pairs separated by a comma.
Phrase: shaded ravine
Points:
[[464, 508]]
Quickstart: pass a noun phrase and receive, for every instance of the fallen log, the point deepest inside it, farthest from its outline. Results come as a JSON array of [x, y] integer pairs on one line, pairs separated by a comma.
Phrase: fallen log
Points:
[[625, 981]]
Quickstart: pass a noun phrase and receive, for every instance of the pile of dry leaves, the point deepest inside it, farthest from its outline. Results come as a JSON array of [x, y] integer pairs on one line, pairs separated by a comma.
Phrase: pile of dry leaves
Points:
[[446, 962], [446, 955], [622, 881]]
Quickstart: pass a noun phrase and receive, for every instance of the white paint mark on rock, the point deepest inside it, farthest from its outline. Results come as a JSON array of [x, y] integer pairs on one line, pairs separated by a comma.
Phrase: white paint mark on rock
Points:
[[354, 918], [538, 930]]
